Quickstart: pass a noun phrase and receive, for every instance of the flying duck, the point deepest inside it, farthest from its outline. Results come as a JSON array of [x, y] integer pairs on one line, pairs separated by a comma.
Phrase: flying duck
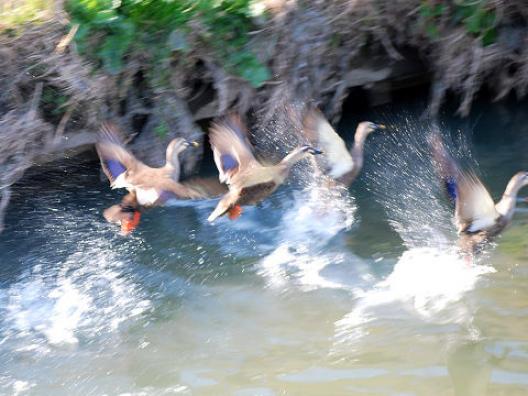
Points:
[[249, 180], [342, 165], [147, 186], [478, 219]]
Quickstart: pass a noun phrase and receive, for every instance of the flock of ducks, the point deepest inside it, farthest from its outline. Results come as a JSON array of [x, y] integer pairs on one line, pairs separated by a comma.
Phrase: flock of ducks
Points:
[[245, 180]]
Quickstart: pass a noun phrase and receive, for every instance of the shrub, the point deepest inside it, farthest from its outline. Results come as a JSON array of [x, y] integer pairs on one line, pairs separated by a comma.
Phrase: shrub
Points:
[[111, 29]]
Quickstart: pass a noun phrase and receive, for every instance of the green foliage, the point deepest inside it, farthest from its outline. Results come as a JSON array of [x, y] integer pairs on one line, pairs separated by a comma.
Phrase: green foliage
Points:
[[53, 101], [162, 27], [429, 13], [479, 20], [161, 130], [477, 16]]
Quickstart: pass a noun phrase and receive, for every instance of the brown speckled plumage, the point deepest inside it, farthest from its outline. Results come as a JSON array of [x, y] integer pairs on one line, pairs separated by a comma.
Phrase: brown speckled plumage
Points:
[[248, 179]]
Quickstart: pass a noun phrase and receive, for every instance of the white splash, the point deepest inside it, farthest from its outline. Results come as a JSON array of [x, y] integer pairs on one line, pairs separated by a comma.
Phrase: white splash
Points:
[[21, 387], [318, 214], [87, 294], [424, 284], [283, 265]]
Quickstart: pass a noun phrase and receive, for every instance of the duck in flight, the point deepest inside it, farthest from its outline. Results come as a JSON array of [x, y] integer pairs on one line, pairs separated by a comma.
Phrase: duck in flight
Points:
[[342, 164], [249, 180], [478, 219], [147, 187]]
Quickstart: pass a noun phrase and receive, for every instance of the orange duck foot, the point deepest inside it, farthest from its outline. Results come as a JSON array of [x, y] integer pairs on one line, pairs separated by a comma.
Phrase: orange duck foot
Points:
[[235, 212], [129, 225]]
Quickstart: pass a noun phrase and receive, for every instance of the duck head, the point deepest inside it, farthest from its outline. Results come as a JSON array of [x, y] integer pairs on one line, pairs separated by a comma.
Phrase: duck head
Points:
[[518, 181], [298, 154], [177, 146], [365, 128]]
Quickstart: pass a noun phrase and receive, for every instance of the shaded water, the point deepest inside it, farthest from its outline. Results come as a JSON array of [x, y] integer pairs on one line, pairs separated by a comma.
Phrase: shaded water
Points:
[[313, 293]]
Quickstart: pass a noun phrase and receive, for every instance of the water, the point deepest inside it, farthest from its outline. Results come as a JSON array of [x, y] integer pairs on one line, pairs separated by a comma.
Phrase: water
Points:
[[313, 293]]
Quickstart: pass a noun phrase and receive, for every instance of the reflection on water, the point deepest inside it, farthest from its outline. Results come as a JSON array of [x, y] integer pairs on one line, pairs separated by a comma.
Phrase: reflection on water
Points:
[[315, 292]]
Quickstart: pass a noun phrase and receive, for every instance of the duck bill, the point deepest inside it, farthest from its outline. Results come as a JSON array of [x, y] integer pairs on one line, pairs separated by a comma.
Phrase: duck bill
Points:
[[193, 143], [381, 127]]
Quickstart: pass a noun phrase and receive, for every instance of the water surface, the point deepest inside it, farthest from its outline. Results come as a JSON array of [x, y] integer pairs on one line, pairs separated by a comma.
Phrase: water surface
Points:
[[313, 293]]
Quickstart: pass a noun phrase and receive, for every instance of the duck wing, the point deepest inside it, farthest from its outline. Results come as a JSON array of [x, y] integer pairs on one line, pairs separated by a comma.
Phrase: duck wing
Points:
[[474, 207], [446, 166], [320, 133], [115, 159], [231, 147]]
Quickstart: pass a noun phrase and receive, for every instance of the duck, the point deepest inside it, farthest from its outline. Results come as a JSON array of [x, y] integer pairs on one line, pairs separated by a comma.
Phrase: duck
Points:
[[249, 180], [147, 186], [342, 165], [478, 219]]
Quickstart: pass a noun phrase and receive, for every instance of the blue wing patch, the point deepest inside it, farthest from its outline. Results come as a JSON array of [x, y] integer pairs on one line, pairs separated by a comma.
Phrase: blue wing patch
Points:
[[164, 196], [228, 162], [115, 167], [451, 188]]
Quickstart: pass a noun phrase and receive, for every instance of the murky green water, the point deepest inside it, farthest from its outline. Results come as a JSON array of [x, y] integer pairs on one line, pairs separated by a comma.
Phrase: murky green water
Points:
[[282, 302]]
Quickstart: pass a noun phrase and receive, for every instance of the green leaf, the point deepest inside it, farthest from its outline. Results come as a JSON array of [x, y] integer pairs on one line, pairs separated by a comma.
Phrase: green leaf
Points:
[[490, 37], [83, 32], [114, 49], [462, 12], [111, 53], [426, 10], [105, 17], [161, 130], [255, 73], [488, 20], [473, 23], [439, 10], [432, 31]]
